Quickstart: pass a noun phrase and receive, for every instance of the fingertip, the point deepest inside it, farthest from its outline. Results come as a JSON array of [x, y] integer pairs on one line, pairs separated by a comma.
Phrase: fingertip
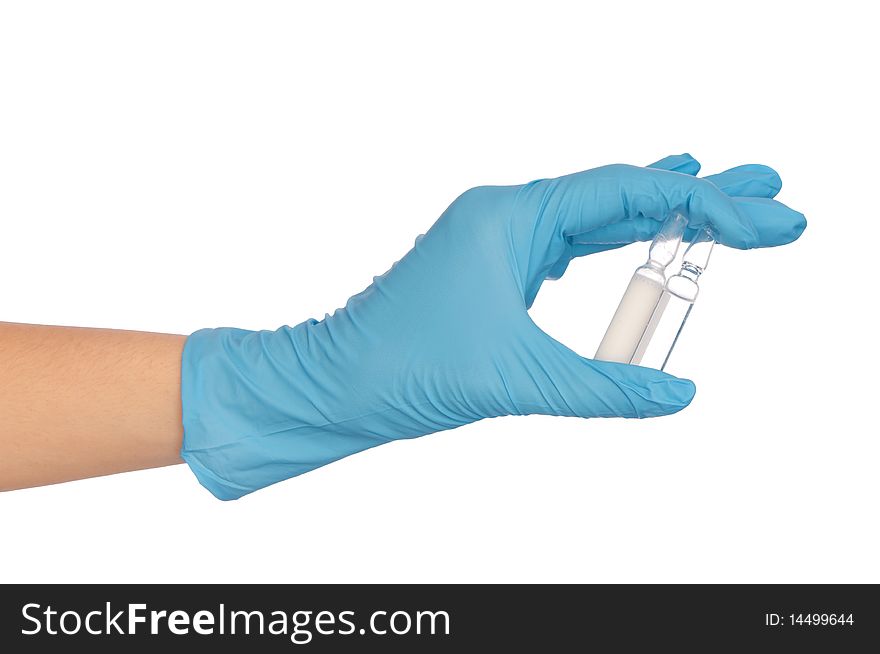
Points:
[[769, 175], [671, 395], [755, 180], [800, 224], [682, 391], [776, 224], [678, 163], [759, 170], [646, 392]]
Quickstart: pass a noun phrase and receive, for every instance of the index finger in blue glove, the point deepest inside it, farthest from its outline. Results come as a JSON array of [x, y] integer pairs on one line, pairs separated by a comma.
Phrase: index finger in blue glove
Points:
[[620, 198], [680, 163], [775, 224], [613, 194], [749, 180]]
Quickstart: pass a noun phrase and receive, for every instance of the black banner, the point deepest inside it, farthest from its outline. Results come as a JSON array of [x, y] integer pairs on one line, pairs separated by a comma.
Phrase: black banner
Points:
[[436, 618]]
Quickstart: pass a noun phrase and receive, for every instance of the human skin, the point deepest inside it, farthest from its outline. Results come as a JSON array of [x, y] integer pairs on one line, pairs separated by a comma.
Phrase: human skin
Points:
[[77, 403]]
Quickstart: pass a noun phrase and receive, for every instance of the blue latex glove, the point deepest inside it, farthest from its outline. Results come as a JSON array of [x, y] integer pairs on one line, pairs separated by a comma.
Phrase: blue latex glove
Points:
[[444, 339]]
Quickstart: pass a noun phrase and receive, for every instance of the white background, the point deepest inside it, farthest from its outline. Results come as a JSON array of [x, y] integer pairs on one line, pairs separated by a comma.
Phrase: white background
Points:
[[169, 166]]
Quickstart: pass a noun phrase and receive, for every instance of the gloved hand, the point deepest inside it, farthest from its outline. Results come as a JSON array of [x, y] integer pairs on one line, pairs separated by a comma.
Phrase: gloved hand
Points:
[[443, 338]]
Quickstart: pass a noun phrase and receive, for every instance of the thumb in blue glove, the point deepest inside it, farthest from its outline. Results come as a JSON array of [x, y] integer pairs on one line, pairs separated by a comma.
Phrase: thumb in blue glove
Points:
[[444, 338]]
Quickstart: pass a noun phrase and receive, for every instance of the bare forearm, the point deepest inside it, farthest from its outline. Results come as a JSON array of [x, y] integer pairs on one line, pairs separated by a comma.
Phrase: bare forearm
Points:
[[78, 403]]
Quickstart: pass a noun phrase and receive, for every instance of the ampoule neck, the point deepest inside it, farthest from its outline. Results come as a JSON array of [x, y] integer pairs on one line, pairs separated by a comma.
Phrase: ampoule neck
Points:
[[653, 270], [696, 258], [665, 245], [690, 270]]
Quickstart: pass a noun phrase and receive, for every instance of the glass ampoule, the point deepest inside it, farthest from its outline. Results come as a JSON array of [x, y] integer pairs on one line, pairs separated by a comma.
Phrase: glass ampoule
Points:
[[675, 304], [641, 296]]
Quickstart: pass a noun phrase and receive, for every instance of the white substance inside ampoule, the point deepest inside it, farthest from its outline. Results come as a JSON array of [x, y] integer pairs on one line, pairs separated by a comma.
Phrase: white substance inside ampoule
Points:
[[656, 319], [630, 320]]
